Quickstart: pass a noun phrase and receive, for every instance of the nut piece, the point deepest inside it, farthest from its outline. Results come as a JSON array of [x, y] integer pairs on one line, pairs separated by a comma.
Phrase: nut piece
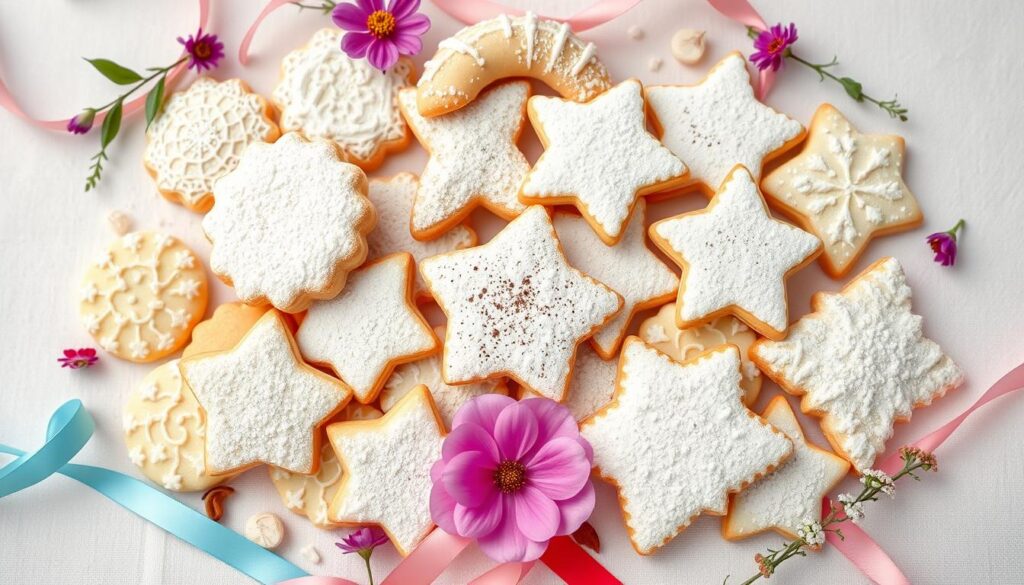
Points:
[[688, 45], [265, 529], [120, 223], [311, 554], [654, 63], [214, 500]]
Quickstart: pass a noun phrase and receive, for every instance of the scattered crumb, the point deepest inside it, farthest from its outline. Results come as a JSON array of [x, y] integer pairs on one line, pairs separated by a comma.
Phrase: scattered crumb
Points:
[[311, 554], [120, 222], [688, 45], [655, 63], [635, 32]]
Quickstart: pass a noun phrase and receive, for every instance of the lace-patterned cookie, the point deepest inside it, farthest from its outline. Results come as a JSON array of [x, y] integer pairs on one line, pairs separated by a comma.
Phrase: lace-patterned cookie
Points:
[[718, 124], [289, 223], [142, 298], [676, 440], [509, 46], [592, 384], [325, 94], [473, 159], [599, 157], [661, 332], [200, 136], [735, 258], [516, 308], [311, 495], [860, 361], [845, 187]]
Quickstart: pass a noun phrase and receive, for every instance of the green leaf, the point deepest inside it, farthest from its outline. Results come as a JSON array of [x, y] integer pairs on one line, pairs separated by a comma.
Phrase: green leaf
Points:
[[853, 88], [111, 125], [114, 72], [153, 101]]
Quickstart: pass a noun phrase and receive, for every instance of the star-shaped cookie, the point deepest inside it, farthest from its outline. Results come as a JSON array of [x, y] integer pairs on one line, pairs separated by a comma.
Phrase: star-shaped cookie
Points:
[[386, 469], [628, 267], [262, 403], [368, 329], [516, 308], [718, 123], [845, 187], [860, 361], [591, 386], [735, 258], [675, 440], [789, 497], [599, 157], [473, 158]]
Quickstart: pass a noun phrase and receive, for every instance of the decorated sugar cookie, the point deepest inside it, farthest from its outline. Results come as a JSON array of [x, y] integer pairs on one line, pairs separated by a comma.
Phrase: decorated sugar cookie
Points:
[[845, 187], [229, 323], [289, 223], [592, 384], [516, 308], [393, 200], [860, 361], [164, 431], [735, 258], [325, 94], [311, 495], [662, 333], [371, 327], [509, 46], [262, 403], [386, 469], [473, 159], [718, 123], [599, 157], [200, 136], [628, 267], [143, 296], [670, 468], [787, 498]]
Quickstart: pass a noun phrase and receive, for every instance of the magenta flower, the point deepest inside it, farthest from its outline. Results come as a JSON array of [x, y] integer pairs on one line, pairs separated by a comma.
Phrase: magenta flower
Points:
[[944, 245], [381, 34], [772, 46], [363, 541], [77, 359], [82, 123], [512, 475], [204, 50]]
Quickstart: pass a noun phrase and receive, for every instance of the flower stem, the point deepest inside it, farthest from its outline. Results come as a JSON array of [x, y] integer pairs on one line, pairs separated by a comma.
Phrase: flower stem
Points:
[[157, 72], [956, 228], [325, 7], [853, 88], [369, 571]]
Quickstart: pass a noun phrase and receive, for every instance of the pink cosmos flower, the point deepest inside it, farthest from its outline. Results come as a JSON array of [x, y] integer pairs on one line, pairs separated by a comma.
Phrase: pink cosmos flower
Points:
[[82, 123], [381, 34], [772, 45], [512, 475], [944, 245], [204, 50], [363, 541], [77, 359]]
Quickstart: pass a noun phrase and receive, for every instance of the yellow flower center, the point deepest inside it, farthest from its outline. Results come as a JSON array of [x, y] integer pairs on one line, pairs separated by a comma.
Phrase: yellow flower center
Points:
[[381, 24], [202, 50], [510, 476]]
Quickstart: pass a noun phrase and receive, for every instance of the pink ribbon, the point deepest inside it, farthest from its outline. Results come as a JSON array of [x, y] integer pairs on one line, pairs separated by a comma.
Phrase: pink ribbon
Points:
[[243, 48], [315, 580], [742, 12], [428, 560], [865, 553]]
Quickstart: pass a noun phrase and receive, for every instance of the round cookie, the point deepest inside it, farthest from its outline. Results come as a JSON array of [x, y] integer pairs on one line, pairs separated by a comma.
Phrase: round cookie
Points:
[[200, 135], [325, 94], [144, 295]]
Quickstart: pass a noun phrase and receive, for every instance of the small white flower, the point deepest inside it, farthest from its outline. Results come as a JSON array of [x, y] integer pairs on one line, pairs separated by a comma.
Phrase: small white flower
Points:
[[874, 478], [157, 454], [137, 456], [172, 481], [853, 509], [811, 533]]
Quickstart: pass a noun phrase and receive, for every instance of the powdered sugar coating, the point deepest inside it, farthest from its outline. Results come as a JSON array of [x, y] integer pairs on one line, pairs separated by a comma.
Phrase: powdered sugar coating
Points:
[[862, 360], [628, 267], [676, 440], [515, 307], [288, 222], [719, 124], [369, 328], [600, 154], [473, 157], [735, 255], [262, 404], [591, 386]]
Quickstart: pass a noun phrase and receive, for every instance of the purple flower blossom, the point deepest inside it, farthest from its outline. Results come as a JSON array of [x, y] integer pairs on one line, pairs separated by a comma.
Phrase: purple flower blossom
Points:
[[944, 245], [77, 359], [381, 34], [772, 45], [82, 123], [204, 50], [363, 541], [512, 475]]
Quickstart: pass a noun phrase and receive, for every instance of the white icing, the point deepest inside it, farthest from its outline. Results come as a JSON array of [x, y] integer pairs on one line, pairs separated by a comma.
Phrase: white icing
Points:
[[515, 306], [559, 46], [454, 44], [592, 383], [677, 440], [589, 52], [530, 32], [863, 361], [506, 25]]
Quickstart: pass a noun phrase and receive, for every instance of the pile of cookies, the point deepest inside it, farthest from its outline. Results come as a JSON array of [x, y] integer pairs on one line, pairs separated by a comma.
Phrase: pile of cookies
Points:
[[326, 371]]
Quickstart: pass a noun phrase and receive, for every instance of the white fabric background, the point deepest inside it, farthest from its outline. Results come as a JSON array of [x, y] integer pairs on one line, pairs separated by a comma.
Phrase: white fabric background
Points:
[[955, 64]]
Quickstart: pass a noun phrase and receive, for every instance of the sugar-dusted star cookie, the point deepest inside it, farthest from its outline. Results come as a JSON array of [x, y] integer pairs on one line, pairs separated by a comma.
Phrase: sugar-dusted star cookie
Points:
[[516, 307], [368, 329], [262, 403], [628, 267], [675, 440], [789, 497], [592, 384], [473, 158], [845, 187], [860, 361], [386, 469], [662, 332], [393, 199], [289, 223], [599, 157], [718, 123], [735, 258]]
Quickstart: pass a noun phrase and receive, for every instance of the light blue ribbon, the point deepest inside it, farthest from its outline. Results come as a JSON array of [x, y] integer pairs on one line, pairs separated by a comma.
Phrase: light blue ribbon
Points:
[[69, 430]]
